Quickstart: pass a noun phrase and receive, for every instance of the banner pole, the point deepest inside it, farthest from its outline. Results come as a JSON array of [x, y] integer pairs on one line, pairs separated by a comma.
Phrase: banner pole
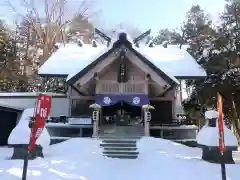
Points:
[[221, 135], [25, 166], [37, 124], [26, 158], [223, 168]]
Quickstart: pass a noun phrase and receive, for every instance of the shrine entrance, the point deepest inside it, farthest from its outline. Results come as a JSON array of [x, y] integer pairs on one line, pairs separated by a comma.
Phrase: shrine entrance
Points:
[[121, 114], [121, 109]]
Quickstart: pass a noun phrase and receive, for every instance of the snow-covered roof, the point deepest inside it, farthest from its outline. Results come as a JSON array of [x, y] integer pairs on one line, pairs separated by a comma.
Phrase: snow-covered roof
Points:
[[71, 59], [170, 75], [11, 105], [173, 60], [7, 101], [27, 94]]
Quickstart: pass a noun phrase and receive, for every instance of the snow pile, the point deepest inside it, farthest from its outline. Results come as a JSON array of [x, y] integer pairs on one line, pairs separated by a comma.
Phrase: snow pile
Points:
[[209, 136], [150, 145], [21, 133], [77, 158], [86, 146], [81, 159], [171, 160], [211, 114]]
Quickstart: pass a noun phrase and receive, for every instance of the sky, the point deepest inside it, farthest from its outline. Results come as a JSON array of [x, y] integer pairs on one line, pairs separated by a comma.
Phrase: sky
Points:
[[143, 14], [155, 14]]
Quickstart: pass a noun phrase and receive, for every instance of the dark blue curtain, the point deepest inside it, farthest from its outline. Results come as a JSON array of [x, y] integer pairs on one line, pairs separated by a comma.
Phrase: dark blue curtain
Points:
[[131, 99]]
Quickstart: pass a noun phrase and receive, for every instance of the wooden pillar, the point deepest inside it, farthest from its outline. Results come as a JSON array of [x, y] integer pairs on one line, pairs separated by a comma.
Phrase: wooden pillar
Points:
[[180, 89], [95, 122], [97, 82], [121, 87], [174, 101], [147, 129], [146, 124], [97, 90], [69, 101], [146, 83], [95, 129]]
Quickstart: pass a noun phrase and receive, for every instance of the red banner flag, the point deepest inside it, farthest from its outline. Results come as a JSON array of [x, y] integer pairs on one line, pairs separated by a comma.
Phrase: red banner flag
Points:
[[41, 112], [220, 123]]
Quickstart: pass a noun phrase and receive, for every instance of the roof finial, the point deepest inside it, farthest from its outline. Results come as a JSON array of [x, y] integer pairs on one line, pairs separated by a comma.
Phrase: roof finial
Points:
[[122, 36], [104, 36], [143, 35], [165, 44], [80, 42], [94, 43]]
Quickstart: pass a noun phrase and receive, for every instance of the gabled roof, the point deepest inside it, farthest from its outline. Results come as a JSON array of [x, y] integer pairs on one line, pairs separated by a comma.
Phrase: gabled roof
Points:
[[72, 78], [10, 106], [173, 60], [70, 59]]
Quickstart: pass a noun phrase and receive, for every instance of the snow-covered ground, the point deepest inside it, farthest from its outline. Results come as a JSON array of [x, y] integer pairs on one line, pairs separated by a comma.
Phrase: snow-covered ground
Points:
[[81, 159]]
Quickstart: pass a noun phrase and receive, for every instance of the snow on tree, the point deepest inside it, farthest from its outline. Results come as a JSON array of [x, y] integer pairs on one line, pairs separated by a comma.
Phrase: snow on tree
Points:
[[170, 36], [217, 51], [9, 65], [80, 29], [45, 24]]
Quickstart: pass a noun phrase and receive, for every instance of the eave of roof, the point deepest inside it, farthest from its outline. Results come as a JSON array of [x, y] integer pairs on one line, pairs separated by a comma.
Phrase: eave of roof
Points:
[[127, 44]]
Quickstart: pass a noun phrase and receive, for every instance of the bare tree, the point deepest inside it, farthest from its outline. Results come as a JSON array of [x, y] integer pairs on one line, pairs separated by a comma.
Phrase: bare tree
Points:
[[49, 26], [43, 23], [80, 28]]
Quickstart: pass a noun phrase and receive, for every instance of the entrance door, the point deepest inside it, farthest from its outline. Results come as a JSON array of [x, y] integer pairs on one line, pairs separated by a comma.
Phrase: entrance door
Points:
[[7, 123], [162, 114], [122, 114]]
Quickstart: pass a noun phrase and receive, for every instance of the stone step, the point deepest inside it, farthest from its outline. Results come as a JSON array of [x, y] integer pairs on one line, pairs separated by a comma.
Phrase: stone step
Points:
[[121, 156], [119, 137], [122, 131], [120, 152], [120, 148], [118, 145], [119, 141]]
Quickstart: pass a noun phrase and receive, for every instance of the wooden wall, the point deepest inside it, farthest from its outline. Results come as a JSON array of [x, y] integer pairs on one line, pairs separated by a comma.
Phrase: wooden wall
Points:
[[134, 73]]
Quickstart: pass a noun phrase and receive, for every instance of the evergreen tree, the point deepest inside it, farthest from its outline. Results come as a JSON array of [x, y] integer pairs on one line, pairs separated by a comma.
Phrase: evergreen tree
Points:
[[170, 36], [80, 29], [216, 50], [8, 64]]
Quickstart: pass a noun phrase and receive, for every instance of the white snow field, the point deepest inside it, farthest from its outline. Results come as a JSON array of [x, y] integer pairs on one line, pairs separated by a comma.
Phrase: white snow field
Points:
[[81, 159]]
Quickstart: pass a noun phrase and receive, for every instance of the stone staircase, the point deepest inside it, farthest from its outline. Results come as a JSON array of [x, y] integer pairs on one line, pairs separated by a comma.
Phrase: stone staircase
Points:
[[121, 141], [121, 132], [120, 148]]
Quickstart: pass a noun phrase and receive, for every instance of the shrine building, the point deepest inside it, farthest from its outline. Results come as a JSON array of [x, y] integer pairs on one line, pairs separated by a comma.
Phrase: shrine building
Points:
[[121, 78]]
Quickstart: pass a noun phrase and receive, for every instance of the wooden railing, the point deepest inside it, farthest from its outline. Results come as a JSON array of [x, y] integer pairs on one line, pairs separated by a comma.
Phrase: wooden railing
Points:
[[106, 86]]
